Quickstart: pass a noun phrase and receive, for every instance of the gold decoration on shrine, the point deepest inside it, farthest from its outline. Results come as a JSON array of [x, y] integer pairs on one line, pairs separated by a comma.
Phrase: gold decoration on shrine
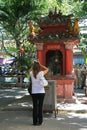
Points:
[[33, 30], [76, 26]]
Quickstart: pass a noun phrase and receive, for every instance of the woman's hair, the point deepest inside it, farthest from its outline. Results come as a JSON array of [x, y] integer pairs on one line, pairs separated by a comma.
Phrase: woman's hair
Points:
[[36, 68]]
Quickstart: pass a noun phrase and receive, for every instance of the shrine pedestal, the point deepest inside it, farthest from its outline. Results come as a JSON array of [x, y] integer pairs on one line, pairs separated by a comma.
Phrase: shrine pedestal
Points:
[[65, 89]]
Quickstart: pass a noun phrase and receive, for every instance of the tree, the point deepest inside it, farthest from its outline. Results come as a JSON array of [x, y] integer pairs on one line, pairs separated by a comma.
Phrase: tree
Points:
[[14, 16], [81, 13]]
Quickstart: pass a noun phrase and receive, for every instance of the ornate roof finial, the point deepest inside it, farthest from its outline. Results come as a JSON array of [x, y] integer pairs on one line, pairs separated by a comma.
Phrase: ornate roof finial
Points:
[[55, 10], [50, 13], [60, 13]]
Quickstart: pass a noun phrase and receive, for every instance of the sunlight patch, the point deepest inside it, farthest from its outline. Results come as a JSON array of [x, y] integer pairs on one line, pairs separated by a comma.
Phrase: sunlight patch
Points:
[[18, 97], [80, 115]]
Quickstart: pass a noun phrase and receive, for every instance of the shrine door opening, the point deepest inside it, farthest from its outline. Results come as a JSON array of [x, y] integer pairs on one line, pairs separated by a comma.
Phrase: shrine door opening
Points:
[[54, 61]]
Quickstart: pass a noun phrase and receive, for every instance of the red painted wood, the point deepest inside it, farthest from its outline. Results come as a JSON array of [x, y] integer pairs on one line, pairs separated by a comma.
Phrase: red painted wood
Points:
[[64, 88]]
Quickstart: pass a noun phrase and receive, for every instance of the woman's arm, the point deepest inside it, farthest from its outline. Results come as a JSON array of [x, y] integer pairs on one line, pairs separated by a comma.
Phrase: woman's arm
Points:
[[44, 67], [30, 69]]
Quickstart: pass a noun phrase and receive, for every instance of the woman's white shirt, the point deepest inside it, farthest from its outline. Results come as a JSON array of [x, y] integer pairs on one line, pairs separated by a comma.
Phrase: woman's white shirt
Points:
[[36, 86]]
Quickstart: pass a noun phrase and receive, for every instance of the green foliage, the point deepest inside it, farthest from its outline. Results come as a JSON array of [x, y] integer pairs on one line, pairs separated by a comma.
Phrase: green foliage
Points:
[[14, 15], [83, 45], [24, 62]]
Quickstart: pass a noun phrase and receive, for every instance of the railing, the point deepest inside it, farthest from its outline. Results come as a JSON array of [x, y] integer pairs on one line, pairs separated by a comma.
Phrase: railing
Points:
[[13, 80]]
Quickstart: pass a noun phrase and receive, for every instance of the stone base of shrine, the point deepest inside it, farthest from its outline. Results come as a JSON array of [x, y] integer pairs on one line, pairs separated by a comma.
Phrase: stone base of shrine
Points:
[[65, 89], [65, 100]]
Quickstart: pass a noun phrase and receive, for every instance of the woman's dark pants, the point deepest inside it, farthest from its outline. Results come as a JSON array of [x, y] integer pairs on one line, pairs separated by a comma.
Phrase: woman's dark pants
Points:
[[38, 108]]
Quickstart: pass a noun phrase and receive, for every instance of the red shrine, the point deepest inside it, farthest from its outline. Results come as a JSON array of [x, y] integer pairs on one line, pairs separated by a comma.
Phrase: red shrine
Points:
[[55, 40]]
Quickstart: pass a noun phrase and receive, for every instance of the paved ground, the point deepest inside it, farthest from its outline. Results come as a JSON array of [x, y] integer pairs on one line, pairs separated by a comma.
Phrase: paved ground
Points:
[[22, 120], [16, 112]]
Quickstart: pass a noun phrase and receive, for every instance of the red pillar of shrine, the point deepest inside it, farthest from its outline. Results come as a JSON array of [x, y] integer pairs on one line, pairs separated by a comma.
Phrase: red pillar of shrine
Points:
[[68, 62], [69, 58]]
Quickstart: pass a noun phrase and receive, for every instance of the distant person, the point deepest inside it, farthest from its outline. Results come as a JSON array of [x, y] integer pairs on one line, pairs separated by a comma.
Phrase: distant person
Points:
[[38, 92], [0, 70], [83, 76], [77, 71], [79, 76], [75, 75]]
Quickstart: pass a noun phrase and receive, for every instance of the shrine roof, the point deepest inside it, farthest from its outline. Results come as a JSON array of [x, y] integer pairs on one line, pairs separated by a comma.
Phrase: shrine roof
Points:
[[55, 27], [54, 18]]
